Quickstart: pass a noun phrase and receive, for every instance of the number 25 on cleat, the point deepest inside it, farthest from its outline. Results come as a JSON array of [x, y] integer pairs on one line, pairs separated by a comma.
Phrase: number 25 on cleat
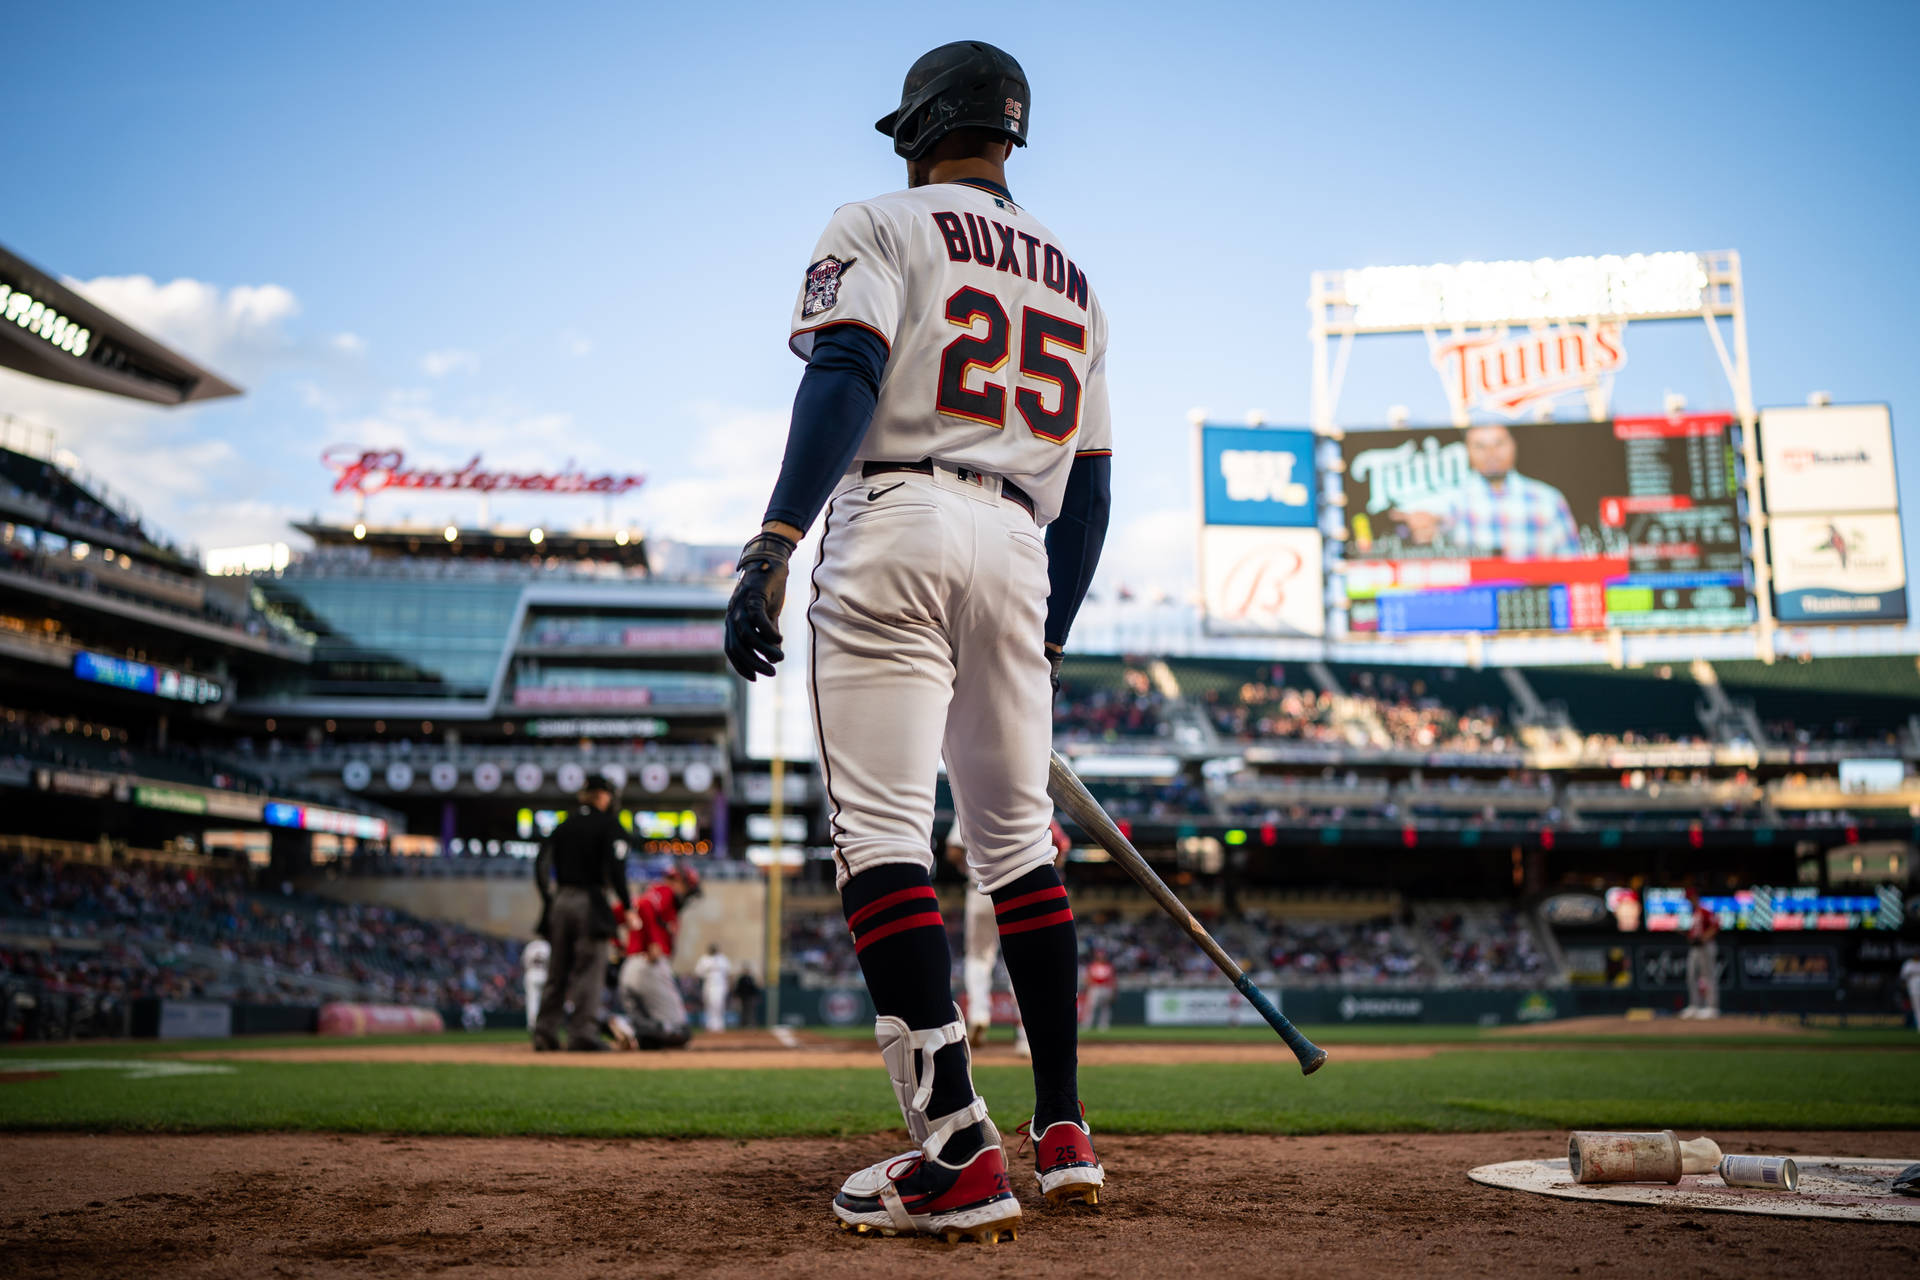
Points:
[[1042, 338]]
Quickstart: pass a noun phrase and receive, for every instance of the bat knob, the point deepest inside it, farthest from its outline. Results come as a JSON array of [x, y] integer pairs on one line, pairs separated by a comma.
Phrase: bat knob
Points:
[[1313, 1062]]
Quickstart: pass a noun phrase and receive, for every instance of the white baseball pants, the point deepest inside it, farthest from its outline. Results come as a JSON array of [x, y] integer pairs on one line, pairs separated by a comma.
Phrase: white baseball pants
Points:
[[928, 618], [536, 983]]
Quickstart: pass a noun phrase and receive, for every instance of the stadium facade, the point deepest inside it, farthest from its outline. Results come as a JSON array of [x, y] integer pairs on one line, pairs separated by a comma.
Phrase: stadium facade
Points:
[[470, 678]]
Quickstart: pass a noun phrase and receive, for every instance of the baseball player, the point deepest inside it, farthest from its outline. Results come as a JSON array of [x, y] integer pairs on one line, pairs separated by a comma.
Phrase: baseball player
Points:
[[715, 972], [1703, 961], [648, 988], [534, 959], [1910, 977], [982, 937], [1100, 988], [953, 423]]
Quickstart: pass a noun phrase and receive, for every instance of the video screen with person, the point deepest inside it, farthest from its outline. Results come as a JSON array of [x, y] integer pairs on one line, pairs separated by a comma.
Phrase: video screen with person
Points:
[[1544, 527]]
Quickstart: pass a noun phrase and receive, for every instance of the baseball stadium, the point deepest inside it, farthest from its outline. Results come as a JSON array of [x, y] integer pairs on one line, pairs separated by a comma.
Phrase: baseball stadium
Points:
[[437, 846]]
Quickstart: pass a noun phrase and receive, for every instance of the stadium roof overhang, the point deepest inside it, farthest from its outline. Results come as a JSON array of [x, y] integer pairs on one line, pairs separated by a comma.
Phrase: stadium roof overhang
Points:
[[49, 331], [430, 541]]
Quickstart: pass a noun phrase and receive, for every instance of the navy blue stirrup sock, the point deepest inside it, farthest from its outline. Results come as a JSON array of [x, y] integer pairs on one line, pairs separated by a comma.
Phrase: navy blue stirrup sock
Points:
[[1043, 959], [901, 941]]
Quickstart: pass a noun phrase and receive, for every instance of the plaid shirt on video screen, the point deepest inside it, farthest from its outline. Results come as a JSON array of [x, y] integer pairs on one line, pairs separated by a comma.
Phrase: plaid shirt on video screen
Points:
[[1526, 520]]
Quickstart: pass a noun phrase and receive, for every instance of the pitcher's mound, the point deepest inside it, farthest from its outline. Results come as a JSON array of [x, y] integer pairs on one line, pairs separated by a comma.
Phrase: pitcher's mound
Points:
[[1830, 1187]]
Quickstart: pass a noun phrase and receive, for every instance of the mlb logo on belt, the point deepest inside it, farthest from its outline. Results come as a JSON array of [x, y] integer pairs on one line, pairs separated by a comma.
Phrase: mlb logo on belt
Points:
[[979, 480]]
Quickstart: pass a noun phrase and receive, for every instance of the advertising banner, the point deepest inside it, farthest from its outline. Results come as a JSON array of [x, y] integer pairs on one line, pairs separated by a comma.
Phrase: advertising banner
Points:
[[1665, 968], [195, 1020], [1838, 568], [1769, 968], [172, 799], [1263, 581], [1827, 458], [1258, 476], [1204, 1007], [1630, 524]]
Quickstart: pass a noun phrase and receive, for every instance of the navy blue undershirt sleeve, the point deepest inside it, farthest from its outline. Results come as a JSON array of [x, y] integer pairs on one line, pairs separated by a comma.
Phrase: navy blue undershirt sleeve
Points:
[[831, 411], [1074, 541]]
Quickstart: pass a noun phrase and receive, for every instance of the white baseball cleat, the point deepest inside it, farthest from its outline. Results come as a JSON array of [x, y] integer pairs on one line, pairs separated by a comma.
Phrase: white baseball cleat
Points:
[[915, 1194], [1063, 1157]]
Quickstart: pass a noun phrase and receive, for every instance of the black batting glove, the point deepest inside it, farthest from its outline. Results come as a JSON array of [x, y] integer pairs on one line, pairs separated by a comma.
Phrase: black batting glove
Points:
[[753, 628], [1054, 658]]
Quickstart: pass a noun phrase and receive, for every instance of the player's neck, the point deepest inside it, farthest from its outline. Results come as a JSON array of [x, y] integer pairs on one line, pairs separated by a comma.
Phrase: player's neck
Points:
[[968, 167]]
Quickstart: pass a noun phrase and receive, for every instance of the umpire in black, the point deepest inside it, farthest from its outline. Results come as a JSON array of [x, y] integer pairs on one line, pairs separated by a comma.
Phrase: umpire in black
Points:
[[586, 855]]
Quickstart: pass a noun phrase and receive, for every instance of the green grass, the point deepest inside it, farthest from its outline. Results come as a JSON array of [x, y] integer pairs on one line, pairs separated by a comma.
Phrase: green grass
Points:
[[1455, 1034], [1703, 1088]]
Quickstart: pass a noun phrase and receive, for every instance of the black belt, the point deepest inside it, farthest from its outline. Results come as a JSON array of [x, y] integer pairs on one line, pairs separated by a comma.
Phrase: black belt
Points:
[[1008, 489]]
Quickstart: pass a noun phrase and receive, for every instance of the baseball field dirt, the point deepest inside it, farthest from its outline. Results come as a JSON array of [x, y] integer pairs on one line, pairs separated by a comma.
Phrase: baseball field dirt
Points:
[[273, 1205]]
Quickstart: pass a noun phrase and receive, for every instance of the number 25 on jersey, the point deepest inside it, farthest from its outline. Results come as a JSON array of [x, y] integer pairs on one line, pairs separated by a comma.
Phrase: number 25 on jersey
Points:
[[1043, 338]]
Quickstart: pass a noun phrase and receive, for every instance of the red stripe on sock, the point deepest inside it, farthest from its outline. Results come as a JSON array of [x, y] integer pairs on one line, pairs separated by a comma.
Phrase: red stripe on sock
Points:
[[893, 899], [1028, 899], [1062, 916], [926, 919]]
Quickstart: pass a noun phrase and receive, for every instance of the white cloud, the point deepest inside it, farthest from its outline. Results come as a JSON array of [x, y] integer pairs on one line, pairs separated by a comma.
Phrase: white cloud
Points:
[[1152, 553], [157, 456], [242, 522], [350, 343], [438, 364], [727, 479], [227, 329]]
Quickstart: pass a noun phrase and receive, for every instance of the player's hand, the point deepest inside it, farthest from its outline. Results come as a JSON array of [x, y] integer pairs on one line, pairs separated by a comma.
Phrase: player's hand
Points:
[[753, 629], [1422, 526], [1054, 658]]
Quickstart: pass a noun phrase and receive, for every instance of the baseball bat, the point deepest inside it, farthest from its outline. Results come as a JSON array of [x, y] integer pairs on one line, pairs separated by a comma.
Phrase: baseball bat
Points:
[[1072, 796]]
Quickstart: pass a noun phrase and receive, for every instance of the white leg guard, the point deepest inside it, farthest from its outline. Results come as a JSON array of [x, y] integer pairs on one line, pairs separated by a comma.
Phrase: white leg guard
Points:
[[909, 1058]]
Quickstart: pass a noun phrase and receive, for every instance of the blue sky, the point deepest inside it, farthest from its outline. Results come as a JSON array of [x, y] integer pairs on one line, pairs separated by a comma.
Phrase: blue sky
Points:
[[576, 231]]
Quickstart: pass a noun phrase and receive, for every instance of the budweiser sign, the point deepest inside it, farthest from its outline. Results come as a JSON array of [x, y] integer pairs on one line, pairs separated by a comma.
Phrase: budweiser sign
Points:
[[369, 471], [1507, 372]]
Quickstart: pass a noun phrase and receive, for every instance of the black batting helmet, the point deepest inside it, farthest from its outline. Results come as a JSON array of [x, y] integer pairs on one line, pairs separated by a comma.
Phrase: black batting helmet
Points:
[[968, 84]]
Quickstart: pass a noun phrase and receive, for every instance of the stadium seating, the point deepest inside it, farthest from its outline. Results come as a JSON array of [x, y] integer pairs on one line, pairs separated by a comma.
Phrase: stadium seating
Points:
[[1652, 704], [137, 930], [1832, 699], [1105, 699], [1296, 944]]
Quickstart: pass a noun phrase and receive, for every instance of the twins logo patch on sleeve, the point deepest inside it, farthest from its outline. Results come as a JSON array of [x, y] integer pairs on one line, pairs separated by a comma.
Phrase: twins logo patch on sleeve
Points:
[[823, 284]]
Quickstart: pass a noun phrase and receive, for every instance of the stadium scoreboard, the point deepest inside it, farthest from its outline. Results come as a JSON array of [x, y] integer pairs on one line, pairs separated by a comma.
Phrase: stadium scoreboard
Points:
[[1764, 909], [1633, 524]]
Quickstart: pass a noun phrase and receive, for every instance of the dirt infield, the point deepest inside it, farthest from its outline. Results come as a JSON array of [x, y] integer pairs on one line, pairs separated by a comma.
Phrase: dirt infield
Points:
[[300, 1205], [751, 1049]]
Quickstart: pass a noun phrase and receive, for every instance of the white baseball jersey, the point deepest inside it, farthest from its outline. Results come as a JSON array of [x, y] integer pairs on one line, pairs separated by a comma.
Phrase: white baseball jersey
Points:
[[715, 972], [982, 932], [996, 342]]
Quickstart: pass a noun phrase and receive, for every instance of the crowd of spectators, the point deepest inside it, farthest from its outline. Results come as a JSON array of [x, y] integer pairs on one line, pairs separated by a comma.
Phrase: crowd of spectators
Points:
[[1152, 950], [1172, 798], [44, 739], [135, 930], [1259, 709], [1797, 733], [1381, 709], [1481, 947], [1087, 712], [1415, 719], [1487, 947]]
